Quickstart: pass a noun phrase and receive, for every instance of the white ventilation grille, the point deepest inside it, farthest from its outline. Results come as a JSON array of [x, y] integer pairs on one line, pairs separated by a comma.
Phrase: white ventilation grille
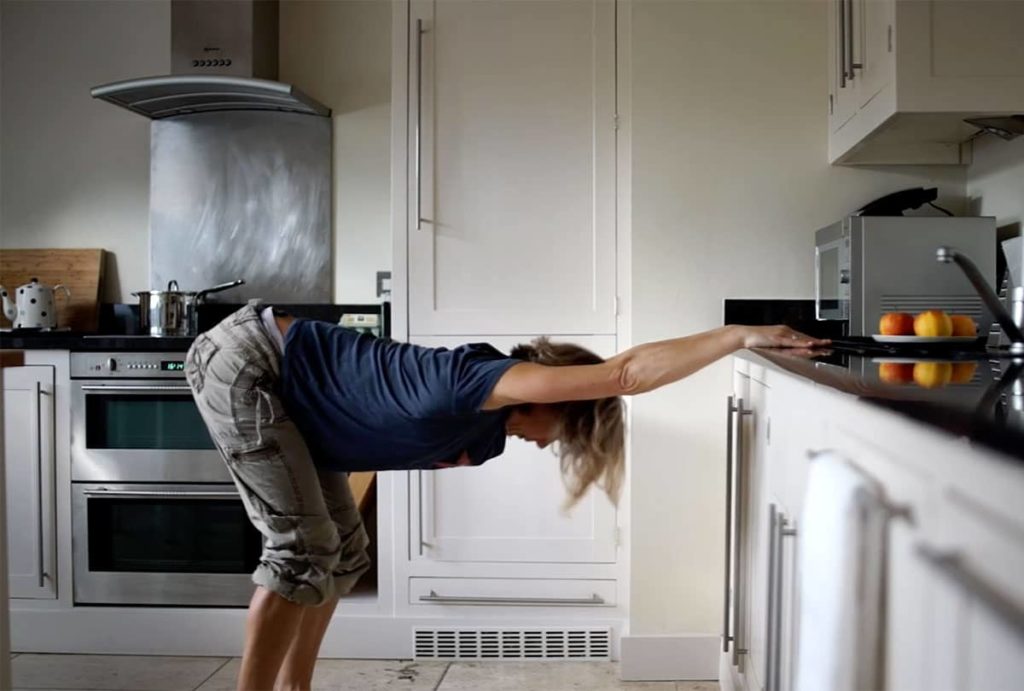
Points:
[[970, 305], [513, 644]]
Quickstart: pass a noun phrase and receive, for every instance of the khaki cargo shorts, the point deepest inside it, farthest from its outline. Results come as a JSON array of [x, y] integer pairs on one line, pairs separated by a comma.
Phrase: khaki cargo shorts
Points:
[[314, 546]]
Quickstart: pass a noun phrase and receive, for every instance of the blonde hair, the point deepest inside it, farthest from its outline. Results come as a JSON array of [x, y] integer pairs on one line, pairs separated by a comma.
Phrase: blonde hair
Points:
[[592, 434]]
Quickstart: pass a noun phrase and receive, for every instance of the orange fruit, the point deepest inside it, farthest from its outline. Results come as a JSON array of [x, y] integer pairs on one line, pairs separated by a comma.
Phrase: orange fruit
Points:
[[933, 375], [963, 326], [896, 372], [933, 323], [963, 372], [896, 324]]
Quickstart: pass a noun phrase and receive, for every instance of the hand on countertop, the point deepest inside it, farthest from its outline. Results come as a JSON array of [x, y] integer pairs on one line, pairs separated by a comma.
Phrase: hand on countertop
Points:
[[779, 336]]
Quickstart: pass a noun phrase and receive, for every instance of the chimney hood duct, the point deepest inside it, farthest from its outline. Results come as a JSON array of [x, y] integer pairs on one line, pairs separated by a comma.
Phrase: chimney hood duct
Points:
[[223, 57]]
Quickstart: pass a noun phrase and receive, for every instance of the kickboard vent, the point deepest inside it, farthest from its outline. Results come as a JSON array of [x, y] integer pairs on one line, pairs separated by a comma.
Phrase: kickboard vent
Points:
[[512, 644]]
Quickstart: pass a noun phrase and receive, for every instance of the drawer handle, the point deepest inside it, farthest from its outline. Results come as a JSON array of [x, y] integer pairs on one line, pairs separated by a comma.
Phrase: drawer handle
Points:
[[953, 565], [593, 600]]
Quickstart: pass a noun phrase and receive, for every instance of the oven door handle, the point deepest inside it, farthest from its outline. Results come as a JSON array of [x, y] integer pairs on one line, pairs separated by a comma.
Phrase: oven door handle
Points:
[[135, 388], [160, 494]]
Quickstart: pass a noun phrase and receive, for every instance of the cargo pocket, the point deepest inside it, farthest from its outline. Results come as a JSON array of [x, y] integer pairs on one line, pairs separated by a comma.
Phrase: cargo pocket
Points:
[[265, 477]]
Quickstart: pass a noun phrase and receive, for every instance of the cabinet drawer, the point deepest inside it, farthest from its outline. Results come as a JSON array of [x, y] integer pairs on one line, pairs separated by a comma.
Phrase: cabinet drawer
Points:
[[503, 592]]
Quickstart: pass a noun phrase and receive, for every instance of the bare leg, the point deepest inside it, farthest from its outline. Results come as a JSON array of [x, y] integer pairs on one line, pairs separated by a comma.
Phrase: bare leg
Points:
[[272, 624], [297, 669]]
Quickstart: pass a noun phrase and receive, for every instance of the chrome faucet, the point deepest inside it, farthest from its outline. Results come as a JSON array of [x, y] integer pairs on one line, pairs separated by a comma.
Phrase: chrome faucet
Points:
[[946, 255]]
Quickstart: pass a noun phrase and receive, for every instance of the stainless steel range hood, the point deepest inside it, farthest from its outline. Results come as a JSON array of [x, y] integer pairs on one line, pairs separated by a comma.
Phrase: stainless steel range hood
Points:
[[223, 57], [161, 97]]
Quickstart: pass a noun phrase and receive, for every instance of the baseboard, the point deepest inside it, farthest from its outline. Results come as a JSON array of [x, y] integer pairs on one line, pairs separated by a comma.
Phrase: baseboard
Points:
[[667, 658]]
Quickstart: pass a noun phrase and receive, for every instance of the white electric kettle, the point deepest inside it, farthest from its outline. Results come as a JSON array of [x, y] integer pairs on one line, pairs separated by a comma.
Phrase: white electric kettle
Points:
[[34, 307]]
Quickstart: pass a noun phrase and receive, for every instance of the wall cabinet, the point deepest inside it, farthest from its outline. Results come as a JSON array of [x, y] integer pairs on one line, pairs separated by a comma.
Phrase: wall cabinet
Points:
[[30, 459], [509, 509], [511, 140], [903, 75]]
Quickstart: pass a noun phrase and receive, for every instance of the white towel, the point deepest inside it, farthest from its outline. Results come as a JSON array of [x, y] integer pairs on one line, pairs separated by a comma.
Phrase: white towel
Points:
[[841, 556]]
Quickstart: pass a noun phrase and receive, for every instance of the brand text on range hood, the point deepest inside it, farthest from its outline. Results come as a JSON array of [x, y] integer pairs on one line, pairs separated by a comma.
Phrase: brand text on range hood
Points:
[[223, 57]]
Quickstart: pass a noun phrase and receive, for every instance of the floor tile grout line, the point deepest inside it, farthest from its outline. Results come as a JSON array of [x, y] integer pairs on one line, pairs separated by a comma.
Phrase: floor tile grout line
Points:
[[214, 672], [443, 675]]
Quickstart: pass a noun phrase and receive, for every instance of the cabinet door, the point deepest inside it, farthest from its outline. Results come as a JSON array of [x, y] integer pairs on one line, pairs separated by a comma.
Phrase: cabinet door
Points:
[[873, 46], [973, 567], [29, 465], [842, 97], [509, 509], [512, 167]]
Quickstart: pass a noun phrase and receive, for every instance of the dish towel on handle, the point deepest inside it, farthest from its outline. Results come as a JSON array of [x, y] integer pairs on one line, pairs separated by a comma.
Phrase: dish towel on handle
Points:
[[841, 567]]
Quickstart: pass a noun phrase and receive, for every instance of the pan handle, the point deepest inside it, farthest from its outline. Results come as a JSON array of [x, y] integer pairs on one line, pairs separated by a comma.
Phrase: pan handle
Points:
[[201, 295]]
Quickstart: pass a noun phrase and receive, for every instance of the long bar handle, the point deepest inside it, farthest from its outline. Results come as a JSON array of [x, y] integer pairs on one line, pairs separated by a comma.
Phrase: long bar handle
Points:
[[953, 565], [779, 530], [739, 647], [726, 636], [842, 44], [419, 124], [159, 494], [37, 420], [135, 388], [594, 599], [850, 41]]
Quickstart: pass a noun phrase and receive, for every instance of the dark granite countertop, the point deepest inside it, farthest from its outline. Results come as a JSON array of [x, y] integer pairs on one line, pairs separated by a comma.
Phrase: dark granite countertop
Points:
[[118, 329], [980, 397], [83, 342]]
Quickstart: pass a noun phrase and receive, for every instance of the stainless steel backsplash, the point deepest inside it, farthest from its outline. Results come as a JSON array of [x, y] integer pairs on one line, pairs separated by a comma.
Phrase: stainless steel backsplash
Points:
[[242, 195]]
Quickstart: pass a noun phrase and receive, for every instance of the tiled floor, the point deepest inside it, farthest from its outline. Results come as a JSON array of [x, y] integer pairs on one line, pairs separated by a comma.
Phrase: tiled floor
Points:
[[138, 673]]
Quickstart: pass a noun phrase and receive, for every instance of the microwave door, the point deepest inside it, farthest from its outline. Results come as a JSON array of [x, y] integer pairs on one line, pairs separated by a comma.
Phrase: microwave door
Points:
[[827, 277]]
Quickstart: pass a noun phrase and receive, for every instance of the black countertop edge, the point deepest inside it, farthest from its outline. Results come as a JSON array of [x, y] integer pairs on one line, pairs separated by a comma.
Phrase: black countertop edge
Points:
[[945, 417], [95, 343]]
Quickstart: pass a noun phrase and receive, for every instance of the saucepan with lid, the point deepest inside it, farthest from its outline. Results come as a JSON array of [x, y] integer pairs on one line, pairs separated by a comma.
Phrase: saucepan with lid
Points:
[[174, 312]]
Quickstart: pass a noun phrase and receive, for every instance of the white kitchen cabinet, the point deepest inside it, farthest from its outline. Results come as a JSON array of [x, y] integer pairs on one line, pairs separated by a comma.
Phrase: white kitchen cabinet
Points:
[[510, 508], [511, 167], [971, 566], [30, 456], [903, 74]]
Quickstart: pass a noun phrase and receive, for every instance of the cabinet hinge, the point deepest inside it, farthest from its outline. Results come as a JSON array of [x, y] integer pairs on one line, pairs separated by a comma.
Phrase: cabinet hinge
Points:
[[831, 105], [768, 431], [617, 301], [615, 120], [890, 38], [618, 536]]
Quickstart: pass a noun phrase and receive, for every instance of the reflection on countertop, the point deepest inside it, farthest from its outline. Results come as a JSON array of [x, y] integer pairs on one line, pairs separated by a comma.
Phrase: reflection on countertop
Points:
[[976, 394]]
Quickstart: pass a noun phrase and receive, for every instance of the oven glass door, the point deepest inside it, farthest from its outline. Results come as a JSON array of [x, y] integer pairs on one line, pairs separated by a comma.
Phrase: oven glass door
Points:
[[140, 431], [162, 544]]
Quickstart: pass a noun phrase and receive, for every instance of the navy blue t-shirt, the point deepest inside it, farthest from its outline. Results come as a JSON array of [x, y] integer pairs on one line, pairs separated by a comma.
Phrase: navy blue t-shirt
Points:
[[366, 403]]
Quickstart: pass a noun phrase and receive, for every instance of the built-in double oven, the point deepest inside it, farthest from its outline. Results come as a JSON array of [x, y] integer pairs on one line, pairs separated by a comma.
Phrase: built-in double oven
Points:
[[156, 519]]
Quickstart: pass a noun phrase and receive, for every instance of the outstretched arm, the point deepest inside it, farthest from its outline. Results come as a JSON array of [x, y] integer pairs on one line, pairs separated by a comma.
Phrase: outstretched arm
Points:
[[639, 369]]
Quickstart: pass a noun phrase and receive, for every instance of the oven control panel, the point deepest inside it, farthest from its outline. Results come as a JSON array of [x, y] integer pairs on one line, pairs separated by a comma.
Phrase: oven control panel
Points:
[[128, 365]]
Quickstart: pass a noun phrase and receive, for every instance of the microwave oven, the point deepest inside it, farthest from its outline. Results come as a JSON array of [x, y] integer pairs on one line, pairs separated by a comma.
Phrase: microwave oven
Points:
[[865, 266]]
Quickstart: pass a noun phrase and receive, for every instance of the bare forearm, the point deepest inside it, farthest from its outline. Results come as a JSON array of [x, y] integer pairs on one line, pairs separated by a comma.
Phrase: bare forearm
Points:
[[652, 365]]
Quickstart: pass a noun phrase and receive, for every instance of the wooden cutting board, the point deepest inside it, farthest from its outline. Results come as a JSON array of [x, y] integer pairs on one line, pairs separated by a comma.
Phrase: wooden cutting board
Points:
[[80, 270]]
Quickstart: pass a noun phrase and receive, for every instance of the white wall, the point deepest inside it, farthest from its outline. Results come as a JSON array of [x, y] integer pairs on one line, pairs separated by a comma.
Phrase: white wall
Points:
[[75, 170], [995, 182], [730, 181], [340, 52]]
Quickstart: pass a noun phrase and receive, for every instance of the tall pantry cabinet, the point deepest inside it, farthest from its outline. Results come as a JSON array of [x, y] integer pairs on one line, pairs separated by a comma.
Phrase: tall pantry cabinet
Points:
[[505, 229]]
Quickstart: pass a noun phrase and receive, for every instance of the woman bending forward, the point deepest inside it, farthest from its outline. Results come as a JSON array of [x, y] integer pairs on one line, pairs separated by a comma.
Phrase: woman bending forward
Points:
[[293, 405]]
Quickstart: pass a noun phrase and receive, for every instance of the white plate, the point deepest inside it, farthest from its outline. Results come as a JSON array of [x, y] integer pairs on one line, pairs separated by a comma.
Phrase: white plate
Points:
[[931, 340]]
